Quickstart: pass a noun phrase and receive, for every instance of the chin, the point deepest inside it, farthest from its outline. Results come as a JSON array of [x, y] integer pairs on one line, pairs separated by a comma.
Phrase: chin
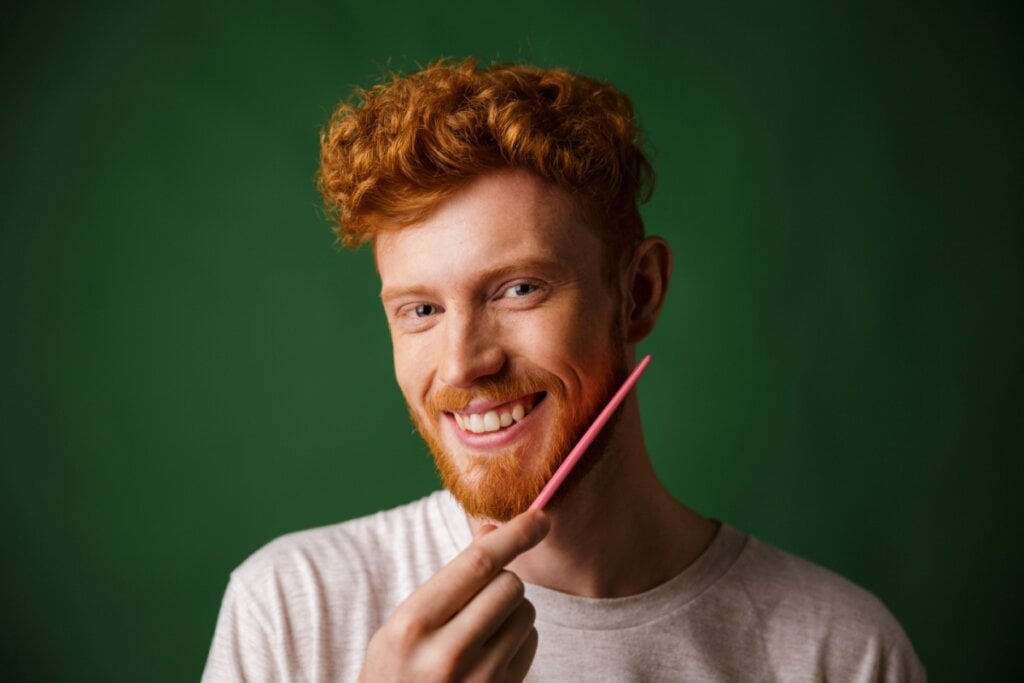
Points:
[[496, 487]]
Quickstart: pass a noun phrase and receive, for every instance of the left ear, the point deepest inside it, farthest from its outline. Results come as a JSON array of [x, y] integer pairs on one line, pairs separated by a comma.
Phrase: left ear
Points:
[[645, 285]]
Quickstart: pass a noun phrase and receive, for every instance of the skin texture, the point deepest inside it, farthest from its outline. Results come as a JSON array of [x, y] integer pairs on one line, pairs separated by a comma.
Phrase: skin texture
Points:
[[511, 299], [504, 281]]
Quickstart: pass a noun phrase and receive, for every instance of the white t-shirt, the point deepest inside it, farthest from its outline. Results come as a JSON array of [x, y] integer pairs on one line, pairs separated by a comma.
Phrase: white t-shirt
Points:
[[303, 608]]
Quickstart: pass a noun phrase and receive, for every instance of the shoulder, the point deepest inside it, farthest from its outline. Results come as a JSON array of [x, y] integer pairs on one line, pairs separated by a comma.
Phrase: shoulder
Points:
[[836, 627], [310, 601], [389, 544], [781, 578]]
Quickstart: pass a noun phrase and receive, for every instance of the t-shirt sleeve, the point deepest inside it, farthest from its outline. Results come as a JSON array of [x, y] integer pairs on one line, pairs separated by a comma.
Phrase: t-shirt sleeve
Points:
[[241, 648], [902, 665]]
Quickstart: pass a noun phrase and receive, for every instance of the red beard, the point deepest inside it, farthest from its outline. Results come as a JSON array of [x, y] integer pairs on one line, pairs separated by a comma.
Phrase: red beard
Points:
[[501, 485]]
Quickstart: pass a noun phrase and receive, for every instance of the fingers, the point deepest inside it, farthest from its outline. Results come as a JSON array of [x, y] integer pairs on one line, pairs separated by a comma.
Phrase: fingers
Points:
[[519, 665], [448, 591], [470, 620], [509, 654], [487, 611], [512, 633]]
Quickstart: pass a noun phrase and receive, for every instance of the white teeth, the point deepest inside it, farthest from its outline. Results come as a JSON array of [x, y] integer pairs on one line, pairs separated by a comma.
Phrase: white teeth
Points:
[[491, 421]]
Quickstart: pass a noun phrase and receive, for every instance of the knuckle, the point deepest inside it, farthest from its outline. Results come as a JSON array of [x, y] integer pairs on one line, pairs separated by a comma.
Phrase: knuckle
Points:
[[481, 564], [406, 628], [529, 611], [511, 586]]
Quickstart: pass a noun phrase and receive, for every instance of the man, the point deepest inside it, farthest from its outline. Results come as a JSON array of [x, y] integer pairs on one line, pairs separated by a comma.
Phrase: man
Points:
[[501, 205]]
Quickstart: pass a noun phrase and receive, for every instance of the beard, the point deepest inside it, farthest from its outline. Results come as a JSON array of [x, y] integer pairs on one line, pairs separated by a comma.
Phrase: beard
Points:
[[503, 484]]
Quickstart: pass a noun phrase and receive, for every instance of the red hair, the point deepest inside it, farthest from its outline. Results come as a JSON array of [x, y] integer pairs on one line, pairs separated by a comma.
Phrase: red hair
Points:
[[393, 152]]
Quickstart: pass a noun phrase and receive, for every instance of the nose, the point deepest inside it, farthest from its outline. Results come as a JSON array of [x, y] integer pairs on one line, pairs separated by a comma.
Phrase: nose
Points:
[[472, 350]]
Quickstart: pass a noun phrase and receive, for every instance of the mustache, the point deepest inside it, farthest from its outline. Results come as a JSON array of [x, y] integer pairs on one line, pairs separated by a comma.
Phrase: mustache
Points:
[[499, 389]]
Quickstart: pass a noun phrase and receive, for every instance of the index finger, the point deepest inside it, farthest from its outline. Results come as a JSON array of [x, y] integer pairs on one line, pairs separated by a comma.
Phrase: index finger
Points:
[[448, 591]]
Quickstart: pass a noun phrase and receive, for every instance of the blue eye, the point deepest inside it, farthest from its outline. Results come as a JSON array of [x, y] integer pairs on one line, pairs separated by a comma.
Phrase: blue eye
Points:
[[424, 310]]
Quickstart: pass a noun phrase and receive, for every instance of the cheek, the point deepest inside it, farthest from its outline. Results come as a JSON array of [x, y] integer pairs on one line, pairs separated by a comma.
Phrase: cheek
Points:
[[585, 327], [550, 338], [409, 369], [568, 341]]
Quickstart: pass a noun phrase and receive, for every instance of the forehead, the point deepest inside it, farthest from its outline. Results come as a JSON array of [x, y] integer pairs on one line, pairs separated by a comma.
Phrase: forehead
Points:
[[496, 221]]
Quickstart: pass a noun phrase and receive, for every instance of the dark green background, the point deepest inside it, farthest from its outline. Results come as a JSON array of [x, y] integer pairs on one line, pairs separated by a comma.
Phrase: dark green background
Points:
[[190, 368]]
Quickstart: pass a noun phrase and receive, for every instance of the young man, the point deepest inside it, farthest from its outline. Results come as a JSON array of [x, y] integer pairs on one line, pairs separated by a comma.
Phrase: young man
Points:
[[501, 205]]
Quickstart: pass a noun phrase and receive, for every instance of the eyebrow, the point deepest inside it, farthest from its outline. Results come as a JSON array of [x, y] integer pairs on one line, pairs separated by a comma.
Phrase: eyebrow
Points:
[[541, 265]]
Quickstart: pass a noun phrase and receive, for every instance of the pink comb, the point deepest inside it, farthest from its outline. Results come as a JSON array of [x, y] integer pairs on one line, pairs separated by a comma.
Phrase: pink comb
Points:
[[588, 437]]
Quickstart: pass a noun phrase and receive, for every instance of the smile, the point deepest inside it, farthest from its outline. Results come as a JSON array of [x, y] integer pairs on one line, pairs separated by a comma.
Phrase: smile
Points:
[[496, 417]]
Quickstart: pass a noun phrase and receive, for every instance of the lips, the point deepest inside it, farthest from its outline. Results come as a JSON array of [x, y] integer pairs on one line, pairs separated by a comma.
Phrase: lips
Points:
[[486, 418]]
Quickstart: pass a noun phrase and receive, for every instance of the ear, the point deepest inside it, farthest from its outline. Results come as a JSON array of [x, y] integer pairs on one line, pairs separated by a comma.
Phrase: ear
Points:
[[645, 286]]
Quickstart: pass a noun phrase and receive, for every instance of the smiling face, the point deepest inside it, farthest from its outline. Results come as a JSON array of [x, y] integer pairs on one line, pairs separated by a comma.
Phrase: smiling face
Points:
[[506, 332]]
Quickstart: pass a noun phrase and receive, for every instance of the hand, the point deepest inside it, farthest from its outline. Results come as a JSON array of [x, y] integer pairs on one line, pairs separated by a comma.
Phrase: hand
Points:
[[470, 621]]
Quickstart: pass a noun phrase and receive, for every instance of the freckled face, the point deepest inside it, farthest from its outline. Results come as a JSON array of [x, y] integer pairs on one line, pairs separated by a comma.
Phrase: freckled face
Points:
[[504, 334]]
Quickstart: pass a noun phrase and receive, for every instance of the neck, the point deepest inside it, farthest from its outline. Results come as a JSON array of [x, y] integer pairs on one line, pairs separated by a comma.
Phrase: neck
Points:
[[618, 531]]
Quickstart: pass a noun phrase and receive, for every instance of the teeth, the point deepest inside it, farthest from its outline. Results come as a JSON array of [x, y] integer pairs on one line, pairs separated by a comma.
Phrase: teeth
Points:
[[491, 421]]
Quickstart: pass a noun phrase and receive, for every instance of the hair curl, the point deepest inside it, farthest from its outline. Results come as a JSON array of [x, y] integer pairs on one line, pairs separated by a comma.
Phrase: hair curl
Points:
[[390, 154]]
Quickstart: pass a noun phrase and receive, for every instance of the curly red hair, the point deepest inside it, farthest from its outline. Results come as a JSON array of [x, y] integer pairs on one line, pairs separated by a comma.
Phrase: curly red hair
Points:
[[393, 152]]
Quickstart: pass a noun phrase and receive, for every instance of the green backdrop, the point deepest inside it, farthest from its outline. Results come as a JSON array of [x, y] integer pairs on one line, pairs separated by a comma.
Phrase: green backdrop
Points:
[[190, 367]]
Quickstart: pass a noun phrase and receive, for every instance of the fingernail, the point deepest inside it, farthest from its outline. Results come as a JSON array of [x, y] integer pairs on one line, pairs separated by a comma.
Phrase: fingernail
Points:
[[484, 530]]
